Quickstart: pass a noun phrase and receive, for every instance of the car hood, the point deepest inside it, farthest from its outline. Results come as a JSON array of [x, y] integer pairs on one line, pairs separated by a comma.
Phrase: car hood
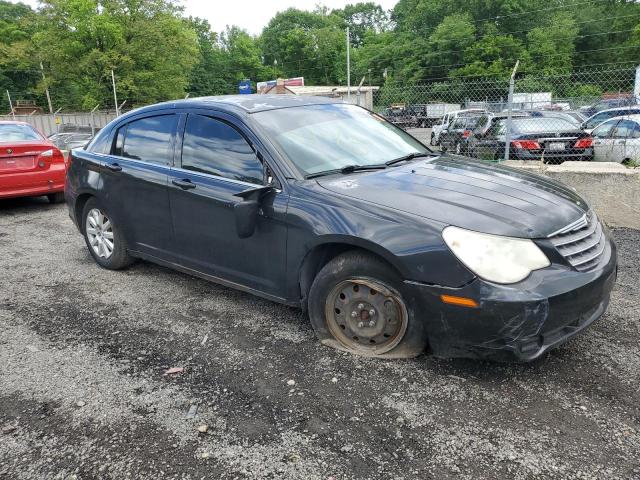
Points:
[[469, 194]]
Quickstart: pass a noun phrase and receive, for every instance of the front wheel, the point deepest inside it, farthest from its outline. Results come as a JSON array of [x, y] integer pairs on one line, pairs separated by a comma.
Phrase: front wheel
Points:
[[356, 304], [103, 237]]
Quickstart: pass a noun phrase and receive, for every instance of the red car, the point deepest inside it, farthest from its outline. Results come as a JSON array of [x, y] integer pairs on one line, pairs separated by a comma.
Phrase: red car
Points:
[[30, 165]]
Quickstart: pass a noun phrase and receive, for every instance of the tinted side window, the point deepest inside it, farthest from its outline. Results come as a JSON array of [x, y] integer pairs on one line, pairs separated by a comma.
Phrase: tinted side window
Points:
[[150, 139], [625, 129], [215, 147]]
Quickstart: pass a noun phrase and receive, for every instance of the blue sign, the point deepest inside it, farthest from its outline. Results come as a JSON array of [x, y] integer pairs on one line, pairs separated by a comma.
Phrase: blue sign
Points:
[[244, 87]]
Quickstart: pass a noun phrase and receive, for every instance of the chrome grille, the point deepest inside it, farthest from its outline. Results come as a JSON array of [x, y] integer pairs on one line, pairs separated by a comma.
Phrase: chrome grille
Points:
[[583, 244]]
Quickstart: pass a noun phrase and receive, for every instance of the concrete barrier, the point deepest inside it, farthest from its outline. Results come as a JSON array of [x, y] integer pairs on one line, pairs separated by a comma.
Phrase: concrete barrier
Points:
[[611, 189]]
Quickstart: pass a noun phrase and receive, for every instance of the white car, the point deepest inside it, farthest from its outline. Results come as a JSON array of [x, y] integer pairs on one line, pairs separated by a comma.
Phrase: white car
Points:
[[617, 140], [447, 120], [595, 120]]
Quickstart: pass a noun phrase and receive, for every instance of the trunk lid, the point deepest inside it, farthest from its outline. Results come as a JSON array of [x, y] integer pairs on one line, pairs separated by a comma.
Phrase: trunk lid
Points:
[[23, 156]]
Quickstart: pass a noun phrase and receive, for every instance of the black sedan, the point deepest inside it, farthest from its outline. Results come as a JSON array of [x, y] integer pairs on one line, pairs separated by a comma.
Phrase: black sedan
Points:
[[393, 250], [552, 140]]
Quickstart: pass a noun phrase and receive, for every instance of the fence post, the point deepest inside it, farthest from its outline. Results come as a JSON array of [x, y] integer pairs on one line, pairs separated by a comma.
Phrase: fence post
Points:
[[115, 96], [507, 130], [13, 114], [348, 66]]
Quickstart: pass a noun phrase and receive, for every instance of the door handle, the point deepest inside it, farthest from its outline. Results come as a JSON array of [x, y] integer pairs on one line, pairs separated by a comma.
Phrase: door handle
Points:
[[114, 167], [184, 184]]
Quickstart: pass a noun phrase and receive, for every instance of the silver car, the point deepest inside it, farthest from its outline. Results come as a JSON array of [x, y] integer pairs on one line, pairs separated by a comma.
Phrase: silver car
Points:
[[617, 140]]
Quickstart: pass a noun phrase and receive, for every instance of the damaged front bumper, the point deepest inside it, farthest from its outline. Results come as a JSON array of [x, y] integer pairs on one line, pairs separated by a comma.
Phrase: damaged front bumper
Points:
[[516, 322]]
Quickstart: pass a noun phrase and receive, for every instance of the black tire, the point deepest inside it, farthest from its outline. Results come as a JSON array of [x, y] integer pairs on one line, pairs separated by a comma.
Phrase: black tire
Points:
[[119, 258], [399, 334], [56, 197]]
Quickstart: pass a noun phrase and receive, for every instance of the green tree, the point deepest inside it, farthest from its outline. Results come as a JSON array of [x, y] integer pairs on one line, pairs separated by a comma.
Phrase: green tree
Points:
[[361, 18], [18, 68], [551, 47], [148, 44]]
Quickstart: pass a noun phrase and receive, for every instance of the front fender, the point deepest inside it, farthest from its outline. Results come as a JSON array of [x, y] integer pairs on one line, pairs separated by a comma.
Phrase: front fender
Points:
[[411, 244]]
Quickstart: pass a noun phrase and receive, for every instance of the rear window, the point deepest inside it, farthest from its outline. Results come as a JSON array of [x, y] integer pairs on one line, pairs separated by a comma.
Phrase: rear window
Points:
[[16, 132], [541, 124]]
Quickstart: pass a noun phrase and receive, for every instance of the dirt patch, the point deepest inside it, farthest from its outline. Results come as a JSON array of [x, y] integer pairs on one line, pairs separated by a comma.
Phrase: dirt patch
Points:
[[83, 390]]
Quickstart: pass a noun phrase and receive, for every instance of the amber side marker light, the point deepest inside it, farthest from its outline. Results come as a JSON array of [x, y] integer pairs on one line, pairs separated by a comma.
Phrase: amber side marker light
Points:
[[460, 301]]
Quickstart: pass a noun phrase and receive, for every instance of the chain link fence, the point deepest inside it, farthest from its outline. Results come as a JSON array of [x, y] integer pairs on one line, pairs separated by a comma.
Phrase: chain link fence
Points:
[[589, 115]]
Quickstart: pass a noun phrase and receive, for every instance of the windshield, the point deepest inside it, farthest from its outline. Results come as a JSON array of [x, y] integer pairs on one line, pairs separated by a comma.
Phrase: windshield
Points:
[[17, 132], [320, 138], [598, 118]]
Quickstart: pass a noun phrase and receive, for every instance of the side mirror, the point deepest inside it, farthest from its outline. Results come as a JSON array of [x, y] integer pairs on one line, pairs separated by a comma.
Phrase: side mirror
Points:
[[246, 211]]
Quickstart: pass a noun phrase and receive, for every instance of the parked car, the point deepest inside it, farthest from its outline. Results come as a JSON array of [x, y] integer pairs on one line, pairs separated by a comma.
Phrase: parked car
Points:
[[400, 116], [595, 120], [456, 137], [30, 165], [447, 119], [391, 248], [617, 140], [607, 104], [487, 122], [553, 140]]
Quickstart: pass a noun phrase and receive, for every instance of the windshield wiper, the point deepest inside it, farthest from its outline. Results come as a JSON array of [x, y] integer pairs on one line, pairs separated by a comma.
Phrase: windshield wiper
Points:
[[347, 169], [410, 156]]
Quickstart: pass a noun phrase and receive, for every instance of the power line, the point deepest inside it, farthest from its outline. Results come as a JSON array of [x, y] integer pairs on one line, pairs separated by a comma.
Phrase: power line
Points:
[[529, 12]]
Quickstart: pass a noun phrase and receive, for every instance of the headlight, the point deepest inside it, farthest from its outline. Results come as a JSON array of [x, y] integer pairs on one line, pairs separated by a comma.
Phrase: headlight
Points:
[[495, 258]]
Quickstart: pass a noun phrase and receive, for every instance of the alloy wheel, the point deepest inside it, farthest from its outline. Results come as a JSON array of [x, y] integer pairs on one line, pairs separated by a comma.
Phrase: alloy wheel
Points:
[[99, 233], [365, 315]]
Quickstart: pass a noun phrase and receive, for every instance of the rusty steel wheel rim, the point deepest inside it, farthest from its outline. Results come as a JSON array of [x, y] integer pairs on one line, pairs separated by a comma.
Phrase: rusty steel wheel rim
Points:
[[366, 316]]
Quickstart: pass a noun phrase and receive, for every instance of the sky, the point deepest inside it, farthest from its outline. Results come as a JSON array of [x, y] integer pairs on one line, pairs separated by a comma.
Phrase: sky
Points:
[[252, 15]]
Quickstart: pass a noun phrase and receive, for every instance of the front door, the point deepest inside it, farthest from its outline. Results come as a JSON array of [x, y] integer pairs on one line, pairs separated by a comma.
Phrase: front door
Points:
[[218, 161]]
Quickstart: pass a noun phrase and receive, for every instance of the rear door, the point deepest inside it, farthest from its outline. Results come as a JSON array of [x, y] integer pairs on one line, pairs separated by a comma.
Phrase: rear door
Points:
[[218, 161], [135, 176], [603, 140]]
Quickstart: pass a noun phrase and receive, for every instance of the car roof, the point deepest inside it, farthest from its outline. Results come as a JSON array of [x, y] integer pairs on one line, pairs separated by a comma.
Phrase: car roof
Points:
[[514, 114], [244, 103], [634, 116], [466, 110], [628, 107]]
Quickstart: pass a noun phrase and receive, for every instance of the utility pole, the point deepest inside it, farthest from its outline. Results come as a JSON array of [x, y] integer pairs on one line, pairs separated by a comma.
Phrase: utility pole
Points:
[[115, 97], [507, 132], [46, 88], [348, 67], [13, 114]]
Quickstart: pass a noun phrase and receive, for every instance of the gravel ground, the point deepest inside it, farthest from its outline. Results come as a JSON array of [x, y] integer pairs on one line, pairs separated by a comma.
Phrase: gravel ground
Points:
[[83, 393]]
